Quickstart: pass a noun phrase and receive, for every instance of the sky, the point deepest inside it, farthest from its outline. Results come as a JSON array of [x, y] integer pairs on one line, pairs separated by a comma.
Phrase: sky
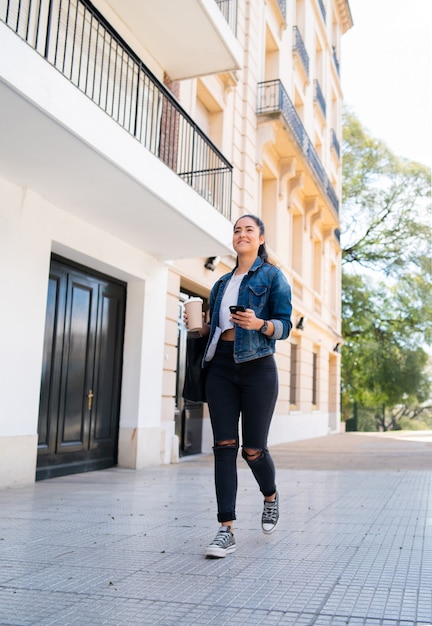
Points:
[[386, 73]]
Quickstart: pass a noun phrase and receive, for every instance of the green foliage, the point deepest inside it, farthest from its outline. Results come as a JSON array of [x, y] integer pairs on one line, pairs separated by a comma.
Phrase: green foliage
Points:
[[380, 362], [386, 206], [387, 278], [424, 422]]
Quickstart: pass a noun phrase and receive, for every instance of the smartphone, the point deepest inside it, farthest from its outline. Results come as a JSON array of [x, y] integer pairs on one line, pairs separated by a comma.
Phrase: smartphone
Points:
[[237, 309]]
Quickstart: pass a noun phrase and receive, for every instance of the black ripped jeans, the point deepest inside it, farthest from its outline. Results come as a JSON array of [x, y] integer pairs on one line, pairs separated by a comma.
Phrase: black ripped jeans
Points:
[[249, 389]]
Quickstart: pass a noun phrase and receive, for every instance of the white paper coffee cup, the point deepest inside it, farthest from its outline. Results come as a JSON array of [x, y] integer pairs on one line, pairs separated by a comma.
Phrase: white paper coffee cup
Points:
[[193, 308]]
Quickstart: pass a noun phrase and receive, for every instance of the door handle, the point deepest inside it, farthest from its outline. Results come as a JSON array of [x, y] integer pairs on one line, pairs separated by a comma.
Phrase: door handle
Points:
[[90, 397]]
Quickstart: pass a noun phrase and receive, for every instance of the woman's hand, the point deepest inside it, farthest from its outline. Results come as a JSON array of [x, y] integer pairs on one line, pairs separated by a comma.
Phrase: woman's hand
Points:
[[204, 329], [247, 320]]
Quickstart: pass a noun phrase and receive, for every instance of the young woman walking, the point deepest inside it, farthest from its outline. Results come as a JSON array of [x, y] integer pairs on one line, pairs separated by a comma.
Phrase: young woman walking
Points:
[[242, 377]]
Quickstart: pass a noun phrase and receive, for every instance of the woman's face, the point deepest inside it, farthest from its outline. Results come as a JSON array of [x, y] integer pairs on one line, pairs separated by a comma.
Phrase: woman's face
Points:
[[247, 238]]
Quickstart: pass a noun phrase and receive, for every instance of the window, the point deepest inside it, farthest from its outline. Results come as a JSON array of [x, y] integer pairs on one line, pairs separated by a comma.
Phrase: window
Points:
[[333, 288], [314, 379], [293, 375], [297, 243], [317, 266]]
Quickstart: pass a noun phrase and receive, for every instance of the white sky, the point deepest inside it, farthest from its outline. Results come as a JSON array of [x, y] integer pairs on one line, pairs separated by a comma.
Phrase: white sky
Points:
[[386, 72]]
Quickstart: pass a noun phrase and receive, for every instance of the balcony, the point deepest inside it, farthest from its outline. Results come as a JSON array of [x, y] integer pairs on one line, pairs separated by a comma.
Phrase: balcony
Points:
[[173, 32], [282, 8], [299, 48], [335, 143], [336, 61], [229, 9], [319, 98], [322, 9], [274, 100], [83, 47]]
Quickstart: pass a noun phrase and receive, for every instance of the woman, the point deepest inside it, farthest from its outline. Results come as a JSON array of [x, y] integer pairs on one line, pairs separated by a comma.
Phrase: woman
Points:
[[242, 375]]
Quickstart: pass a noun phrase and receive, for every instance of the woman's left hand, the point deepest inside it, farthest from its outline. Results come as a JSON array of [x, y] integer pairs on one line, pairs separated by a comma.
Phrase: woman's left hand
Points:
[[247, 320]]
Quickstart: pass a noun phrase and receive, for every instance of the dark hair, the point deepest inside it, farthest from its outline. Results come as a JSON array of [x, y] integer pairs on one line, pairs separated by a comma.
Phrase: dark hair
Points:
[[262, 251]]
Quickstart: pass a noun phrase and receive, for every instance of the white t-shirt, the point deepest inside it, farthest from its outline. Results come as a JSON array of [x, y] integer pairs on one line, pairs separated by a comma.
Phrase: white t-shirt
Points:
[[229, 298]]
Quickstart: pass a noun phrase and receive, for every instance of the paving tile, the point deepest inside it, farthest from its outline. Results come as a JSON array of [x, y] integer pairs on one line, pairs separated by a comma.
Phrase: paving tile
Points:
[[121, 547]]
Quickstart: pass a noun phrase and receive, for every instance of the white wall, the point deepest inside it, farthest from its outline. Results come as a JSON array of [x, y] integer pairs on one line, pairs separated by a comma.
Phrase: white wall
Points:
[[299, 425], [30, 230], [24, 265]]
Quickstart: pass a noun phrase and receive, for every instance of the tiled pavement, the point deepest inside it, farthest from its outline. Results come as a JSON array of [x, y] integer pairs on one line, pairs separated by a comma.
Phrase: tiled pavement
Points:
[[123, 547]]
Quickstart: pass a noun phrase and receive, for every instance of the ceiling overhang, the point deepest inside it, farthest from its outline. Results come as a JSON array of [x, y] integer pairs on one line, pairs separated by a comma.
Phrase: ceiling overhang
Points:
[[187, 39], [167, 220]]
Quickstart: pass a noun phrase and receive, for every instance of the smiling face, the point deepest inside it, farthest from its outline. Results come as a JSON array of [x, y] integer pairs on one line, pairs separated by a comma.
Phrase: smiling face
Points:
[[247, 237]]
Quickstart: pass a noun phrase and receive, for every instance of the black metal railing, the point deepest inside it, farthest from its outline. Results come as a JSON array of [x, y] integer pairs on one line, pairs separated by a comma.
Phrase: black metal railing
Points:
[[336, 60], [273, 98], [300, 48], [319, 97], [75, 38], [229, 9], [335, 143], [322, 7], [282, 7]]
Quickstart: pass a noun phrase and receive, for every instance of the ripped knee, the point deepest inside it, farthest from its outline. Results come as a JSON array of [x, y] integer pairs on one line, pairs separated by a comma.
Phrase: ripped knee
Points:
[[226, 447], [226, 443], [252, 454]]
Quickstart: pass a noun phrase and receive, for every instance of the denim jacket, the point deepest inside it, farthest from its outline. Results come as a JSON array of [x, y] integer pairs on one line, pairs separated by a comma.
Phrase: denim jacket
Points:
[[265, 290]]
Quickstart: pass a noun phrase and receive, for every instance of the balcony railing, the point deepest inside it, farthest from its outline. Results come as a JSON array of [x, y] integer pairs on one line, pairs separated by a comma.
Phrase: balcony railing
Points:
[[273, 98], [319, 97], [282, 7], [229, 9], [336, 60], [300, 49], [75, 38], [335, 143], [322, 7]]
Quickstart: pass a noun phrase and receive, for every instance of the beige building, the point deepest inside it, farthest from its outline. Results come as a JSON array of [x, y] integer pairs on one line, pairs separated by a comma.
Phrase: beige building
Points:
[[133, 134]]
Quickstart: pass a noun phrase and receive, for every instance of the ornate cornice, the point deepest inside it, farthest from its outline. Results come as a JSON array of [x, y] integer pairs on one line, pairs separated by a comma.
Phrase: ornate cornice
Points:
[[345, 14]]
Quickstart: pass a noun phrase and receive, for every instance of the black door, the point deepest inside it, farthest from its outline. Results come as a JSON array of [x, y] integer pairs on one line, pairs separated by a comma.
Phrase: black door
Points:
[[81, 376], [188, 415]]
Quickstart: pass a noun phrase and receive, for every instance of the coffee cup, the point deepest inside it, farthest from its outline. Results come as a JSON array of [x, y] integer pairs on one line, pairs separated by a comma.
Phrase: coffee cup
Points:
[[193, 308]]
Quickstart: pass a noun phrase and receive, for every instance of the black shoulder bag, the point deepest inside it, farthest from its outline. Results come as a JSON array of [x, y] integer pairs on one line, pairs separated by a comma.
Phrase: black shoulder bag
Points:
[[195, 374], [194, 383]]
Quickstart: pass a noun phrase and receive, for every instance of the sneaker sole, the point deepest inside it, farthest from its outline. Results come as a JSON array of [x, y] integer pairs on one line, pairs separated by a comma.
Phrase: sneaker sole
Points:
[[269, 532], [219, 553]]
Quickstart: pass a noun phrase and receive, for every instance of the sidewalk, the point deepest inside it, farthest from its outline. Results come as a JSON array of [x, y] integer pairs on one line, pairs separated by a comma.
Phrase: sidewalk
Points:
[[122, 547]]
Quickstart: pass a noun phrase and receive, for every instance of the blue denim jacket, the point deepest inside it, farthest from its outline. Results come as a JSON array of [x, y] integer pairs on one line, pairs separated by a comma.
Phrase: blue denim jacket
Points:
[[265, 290]]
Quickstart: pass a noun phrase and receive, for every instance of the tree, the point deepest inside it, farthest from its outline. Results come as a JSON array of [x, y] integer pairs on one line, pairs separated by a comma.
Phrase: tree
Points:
[[386, 205], [386, 282]]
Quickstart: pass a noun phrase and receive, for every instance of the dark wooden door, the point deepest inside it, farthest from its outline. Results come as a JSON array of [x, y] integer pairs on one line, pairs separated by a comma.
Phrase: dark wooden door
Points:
[[188, 415], [81, 376]]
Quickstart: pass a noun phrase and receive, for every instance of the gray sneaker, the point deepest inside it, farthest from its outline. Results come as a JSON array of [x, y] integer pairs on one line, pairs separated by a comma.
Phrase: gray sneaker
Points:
[[270, 516], [222, 544]]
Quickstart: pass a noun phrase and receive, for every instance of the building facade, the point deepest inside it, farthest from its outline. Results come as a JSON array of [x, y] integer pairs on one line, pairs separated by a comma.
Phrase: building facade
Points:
[[133, 135]]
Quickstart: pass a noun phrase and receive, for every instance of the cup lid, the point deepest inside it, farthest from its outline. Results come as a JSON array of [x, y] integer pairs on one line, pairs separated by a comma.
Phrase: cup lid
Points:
[[194, 299]]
